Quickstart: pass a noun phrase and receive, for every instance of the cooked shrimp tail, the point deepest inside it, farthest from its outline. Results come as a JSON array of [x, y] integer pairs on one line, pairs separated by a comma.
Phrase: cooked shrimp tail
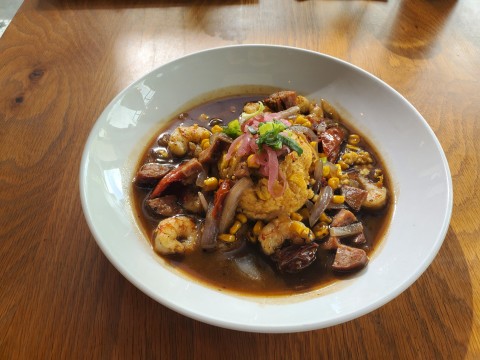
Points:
[[175, 235]]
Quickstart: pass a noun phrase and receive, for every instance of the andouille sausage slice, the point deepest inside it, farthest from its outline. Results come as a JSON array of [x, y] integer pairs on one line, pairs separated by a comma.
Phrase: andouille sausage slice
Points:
[[150, 173], [349, 258]]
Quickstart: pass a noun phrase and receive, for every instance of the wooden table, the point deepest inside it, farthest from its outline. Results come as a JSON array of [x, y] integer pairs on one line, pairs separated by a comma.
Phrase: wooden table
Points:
[[61, 62]]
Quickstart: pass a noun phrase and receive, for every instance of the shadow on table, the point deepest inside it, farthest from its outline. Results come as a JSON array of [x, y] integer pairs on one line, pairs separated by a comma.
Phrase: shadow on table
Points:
[[412, 27]]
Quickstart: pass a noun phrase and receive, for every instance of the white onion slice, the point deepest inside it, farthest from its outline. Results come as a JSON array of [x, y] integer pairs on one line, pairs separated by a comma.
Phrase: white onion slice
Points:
[[231, 202], [347, 230], [320, 205]]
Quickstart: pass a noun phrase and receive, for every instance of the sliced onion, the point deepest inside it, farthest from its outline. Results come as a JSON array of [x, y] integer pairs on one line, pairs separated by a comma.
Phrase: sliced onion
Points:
[[247, 266], [203, 201], [208, 241], [288, 112], [311, 136], [347, 230], [320, 205], [333, 206], [202, 175], [318, 176], [231, 202]]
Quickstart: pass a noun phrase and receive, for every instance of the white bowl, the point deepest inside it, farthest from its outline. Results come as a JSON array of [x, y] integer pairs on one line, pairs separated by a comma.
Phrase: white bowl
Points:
[[418, 167]]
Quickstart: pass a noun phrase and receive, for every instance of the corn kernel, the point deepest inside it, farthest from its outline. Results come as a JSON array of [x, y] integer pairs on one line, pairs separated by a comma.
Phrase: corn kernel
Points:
[[320, 230], [205, 143], [226, 237], [353, 139], [234, 228], [338, 199], [296, 216], [325, 218], [210, 184], [333, 182], [325, 170], [257, 228], [307, 124], [300, 119], [251, 163], [217, 129], [297, 227], [339, 169], [314, 145], [343, 165], [310, 194], [353, 147], [241, 217]]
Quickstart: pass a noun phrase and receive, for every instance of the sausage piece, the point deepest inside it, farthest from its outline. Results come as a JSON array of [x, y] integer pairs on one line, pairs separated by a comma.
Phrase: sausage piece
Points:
[[150, 173], [349, 259], [281, 100]]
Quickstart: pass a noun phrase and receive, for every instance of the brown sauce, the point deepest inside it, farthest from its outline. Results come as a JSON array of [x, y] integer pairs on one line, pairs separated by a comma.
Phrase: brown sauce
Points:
[[229, 268]]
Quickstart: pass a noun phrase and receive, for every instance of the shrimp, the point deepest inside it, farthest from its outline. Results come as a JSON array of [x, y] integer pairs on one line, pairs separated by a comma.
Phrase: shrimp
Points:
[[175, 235], [280, 229], [187, 139], [376, 197]]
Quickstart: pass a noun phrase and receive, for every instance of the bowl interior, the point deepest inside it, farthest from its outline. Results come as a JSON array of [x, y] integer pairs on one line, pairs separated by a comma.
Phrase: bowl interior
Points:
[[417, 165]]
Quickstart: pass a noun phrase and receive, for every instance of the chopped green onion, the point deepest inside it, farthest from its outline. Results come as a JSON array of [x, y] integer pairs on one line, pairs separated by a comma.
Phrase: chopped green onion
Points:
[[233, 129], [244, 116]]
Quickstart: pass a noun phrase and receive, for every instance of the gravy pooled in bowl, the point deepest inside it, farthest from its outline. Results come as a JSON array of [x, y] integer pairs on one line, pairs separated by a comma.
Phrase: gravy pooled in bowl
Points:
[[263, 194]]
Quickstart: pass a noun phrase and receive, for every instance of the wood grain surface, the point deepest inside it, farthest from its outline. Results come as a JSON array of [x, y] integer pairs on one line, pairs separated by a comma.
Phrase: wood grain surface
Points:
[[61, 62]]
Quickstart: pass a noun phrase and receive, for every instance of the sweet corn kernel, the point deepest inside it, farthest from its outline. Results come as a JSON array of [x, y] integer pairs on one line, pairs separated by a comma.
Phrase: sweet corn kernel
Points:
[[251, 163], [210, 184], [307, 124], [226, 237], [333, 182], [205, 143], [217, 129], [353, 147], [297, 227], [296, 216], [343, 165], [234, 228], [241, 217], [320, 230], [300, 119], [314, 145], [338, 199], [257, 228], [307, 234], [339, 169], [325, 170], [353, 139], [325, 218], [310, 194]]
